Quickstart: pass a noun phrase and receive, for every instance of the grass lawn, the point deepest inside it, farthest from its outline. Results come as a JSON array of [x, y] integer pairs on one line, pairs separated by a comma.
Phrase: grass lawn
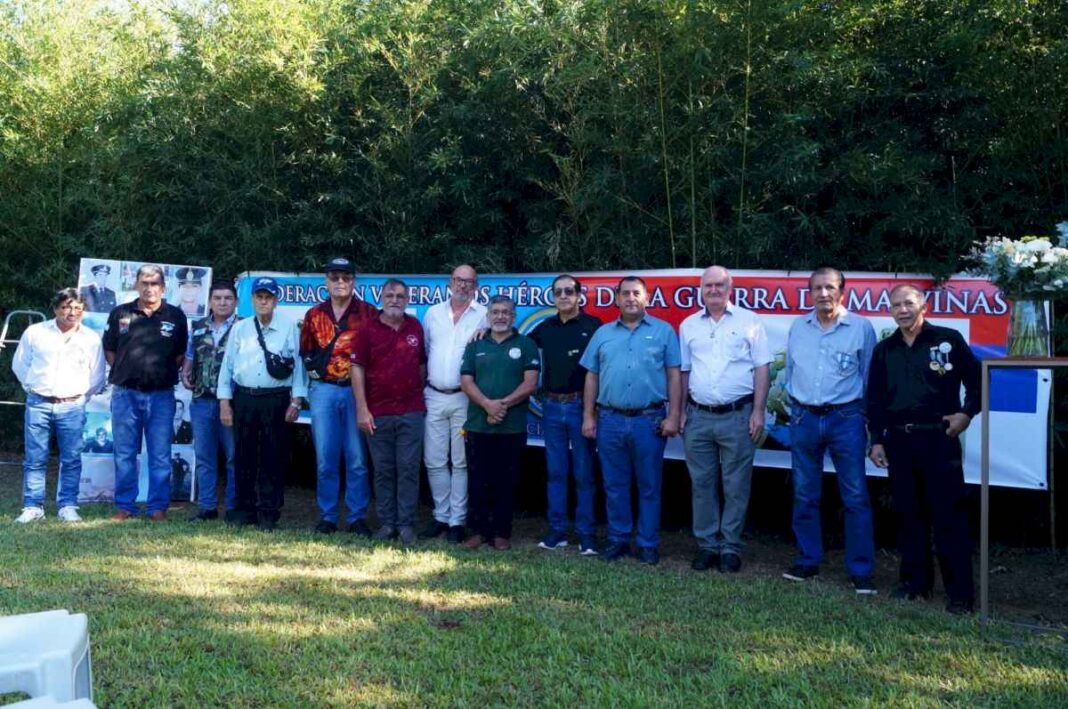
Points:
[[186, 615]]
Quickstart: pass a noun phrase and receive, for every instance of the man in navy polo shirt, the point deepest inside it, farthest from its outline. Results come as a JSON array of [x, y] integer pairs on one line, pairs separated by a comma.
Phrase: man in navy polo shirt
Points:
[[145, 345], [388, 375], [633, 381]]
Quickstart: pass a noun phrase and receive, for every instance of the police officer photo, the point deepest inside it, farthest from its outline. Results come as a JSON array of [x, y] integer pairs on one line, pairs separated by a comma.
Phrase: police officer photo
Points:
[[97, 296], [916, 417]]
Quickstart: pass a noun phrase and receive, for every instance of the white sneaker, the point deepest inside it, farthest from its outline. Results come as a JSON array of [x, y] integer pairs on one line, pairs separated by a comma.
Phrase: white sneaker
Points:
[[30, 514], [69, 514]]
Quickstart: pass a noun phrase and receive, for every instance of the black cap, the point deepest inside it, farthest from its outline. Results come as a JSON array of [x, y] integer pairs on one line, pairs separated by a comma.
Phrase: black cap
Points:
[[190, 275], [341, 264], [100, 267]]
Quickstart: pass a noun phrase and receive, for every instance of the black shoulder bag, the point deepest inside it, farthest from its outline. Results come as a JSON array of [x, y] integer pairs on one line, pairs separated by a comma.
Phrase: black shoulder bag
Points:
[[278, 367], [315, 364]]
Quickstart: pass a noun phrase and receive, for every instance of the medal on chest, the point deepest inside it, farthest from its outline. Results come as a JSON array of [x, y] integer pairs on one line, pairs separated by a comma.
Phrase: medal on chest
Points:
[[939, 355]]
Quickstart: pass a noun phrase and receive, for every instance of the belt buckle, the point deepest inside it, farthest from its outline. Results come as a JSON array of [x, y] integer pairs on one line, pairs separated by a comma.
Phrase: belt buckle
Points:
[[908, 428]]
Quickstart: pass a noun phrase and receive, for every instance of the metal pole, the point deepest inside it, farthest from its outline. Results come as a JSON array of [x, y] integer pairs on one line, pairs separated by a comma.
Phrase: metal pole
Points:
[[984, 506], [1050, 431]]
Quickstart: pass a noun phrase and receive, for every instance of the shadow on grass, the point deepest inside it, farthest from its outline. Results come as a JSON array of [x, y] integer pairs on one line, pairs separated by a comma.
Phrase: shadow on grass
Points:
[[204, 615]]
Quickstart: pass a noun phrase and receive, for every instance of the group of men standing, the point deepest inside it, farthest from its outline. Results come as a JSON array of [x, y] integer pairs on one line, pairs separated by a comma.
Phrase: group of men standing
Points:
[[452, 392]]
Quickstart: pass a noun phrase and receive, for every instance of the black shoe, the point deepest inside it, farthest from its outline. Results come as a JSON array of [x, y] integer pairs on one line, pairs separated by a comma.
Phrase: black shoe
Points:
[[204, 515], [457, 534], [959, 607], [864, 586], [360, 528], [730, 563], [705, 560], [798, 572], [434, 529], [240, 518], [648, 555], [267, 525], [326, 527], [614, 551], [904, 593]]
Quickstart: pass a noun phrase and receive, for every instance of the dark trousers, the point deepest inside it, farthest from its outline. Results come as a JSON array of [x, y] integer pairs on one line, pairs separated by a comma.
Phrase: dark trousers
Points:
[[396, 451], [492, 477], [261, 447], [927, 484]]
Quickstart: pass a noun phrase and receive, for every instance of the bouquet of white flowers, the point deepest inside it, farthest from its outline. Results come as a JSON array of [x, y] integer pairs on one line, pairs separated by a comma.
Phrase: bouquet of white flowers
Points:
[[1029, 267]]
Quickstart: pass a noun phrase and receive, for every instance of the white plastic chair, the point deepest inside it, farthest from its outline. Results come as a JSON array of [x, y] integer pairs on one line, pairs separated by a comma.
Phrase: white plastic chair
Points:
[[46, 654]]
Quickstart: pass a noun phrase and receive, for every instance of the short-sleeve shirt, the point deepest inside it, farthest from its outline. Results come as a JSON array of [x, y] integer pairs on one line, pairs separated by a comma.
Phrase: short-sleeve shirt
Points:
[[391, 361], [632, 364], [828, 366], [721, 356], [146, 347], [562, 345], [498, 368], [320, 327]]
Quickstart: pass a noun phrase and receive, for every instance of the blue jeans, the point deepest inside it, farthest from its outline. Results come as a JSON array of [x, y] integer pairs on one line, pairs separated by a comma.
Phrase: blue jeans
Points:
[[567, 449], [843, 434], [333, 414], [631, 448], [40, 419], [208, 435], [151, 414]]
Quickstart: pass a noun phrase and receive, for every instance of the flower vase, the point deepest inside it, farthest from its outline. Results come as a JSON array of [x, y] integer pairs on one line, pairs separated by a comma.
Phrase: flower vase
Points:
[[1028, 329]]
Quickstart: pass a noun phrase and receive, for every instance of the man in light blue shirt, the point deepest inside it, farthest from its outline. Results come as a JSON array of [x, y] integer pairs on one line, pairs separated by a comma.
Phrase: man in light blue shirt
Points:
[[631, 405], [265, 396], [828, 353]]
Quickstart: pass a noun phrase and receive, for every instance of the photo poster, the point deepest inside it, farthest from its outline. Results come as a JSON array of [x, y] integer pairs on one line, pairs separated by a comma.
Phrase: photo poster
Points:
[[104, 284], [973, 306]]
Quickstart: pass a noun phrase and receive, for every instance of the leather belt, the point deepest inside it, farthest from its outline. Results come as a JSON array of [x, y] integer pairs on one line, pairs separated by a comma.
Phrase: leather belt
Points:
[[457, 390], [824, 409], [260, 391], [562, 398], [917, 427], [58, 399], [633, 412], [335, 382], [722, 408]]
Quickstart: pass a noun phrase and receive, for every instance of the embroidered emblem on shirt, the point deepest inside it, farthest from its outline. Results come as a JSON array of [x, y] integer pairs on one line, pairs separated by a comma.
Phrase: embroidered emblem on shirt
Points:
[[412, 340], [124, 325], [166, 329], [515, 353]]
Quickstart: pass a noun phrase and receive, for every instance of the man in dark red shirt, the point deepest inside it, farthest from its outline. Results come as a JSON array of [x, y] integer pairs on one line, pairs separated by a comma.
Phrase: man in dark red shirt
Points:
[[388, 375], [326, 340]]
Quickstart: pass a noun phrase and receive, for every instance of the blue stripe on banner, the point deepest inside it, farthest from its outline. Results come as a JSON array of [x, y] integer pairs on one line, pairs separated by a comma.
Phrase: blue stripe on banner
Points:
[[1012, 390]]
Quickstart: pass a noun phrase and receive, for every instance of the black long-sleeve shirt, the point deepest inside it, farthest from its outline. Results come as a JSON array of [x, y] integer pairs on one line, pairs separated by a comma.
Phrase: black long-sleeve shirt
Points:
[[921, 383]]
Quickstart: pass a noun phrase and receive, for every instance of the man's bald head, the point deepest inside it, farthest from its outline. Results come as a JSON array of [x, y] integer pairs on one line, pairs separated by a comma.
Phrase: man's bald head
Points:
[[716, 286]]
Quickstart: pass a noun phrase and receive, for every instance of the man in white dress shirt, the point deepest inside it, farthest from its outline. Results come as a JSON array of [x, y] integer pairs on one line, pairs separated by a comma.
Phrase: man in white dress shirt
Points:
[[725, 375], [60, 364], [448, 327]]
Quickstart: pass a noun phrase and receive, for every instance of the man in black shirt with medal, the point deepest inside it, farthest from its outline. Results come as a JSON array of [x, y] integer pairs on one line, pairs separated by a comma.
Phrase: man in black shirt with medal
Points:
[[916, 416]]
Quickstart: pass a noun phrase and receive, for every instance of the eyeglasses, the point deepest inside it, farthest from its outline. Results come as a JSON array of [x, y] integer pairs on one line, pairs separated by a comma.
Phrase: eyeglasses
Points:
[[565, 290], [72, 308], [343, 277], [464, 281]]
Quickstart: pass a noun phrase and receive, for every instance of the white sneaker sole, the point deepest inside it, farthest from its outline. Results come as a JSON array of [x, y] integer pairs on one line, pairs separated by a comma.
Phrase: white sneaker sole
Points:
[[561, 545]]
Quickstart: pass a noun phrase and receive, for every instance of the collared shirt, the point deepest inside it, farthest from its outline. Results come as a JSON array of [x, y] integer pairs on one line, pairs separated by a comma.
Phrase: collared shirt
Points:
[[446, 340], [50, 362], [721, 356], [217, 331], [147, 347], [921, 383], [562, 345], [632, 364], [498, 368], [319, 329], [392, 361], [828, 366], [244, 363]]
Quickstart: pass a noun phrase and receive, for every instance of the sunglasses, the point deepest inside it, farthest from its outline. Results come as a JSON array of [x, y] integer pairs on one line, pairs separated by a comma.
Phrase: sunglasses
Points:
[[343, 277], [565, 290]]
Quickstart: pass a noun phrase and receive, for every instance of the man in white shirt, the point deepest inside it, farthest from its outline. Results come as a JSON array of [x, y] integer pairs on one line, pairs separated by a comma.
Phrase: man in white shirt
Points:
[[725, 375], [60, 364], [448, 327]]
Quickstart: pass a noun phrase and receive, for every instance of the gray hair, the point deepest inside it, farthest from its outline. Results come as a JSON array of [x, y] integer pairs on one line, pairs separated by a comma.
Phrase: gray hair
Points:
[[149, 269], [501, 298]]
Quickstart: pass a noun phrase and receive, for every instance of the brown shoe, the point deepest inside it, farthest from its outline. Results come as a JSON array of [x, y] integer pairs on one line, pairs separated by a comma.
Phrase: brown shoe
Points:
[[120, 516], [502, 544], [473, 542], [158, 516]]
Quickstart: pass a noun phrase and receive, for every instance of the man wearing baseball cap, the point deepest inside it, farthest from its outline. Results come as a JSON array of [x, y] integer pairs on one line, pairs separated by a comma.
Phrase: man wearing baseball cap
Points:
[[327, 342], [262, 385]]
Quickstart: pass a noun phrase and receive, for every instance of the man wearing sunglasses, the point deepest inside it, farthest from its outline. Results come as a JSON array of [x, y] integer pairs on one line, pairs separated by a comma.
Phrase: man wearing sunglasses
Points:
[[60, 364], [327, 341], [562, 339]]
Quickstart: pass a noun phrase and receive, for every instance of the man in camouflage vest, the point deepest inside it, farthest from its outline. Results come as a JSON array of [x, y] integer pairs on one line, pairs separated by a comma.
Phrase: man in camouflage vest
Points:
[[200, 373]]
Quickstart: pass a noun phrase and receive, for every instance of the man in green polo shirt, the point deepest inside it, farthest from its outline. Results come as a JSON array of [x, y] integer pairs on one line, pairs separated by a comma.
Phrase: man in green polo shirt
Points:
[[498, 374]]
